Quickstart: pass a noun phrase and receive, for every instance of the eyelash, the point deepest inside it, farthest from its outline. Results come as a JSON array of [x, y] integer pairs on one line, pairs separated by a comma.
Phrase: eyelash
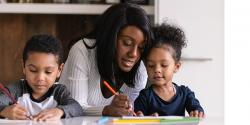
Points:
[[34, 71], [151, 66]]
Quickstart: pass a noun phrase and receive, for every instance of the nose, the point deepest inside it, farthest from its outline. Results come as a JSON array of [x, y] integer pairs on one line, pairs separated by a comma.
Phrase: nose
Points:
[[40, 77], [157, 69], [133, 52]]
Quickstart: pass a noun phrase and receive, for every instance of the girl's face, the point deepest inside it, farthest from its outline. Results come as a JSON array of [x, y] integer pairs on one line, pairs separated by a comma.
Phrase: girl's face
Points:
[[41, 71], [130, 44], [161, 66]]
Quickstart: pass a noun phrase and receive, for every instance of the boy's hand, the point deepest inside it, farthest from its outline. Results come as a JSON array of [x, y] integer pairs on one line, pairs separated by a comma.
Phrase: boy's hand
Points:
[[196, 113], [14, 112], [49, 115]]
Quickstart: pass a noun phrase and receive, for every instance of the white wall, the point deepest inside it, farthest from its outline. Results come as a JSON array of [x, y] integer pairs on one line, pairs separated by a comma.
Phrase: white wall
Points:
[[202, 21]]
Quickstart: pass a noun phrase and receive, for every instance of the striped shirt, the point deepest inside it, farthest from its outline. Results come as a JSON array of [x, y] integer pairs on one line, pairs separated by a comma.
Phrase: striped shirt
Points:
[[81, 76]]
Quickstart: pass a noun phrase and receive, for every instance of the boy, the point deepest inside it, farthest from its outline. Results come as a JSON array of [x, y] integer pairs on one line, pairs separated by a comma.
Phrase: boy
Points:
[[37, 96], [164, 97]]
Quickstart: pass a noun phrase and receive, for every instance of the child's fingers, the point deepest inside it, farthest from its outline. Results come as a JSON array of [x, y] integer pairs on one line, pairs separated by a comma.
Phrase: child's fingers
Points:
[[40, 116], [191, 114], [139, 113], [201, 115], [155, 114], [196, 113]]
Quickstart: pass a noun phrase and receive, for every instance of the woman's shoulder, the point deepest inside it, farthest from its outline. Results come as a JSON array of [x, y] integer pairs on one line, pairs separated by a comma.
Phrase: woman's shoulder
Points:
[[83, 43], [80, 48], [141, 76]]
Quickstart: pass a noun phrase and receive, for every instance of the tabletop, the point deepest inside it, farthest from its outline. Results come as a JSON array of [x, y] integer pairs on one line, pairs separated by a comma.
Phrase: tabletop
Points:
[[90, 120]]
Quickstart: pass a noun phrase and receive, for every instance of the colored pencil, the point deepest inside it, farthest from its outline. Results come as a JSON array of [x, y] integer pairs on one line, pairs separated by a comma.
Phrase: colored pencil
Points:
[[110, 88], [6, 92]]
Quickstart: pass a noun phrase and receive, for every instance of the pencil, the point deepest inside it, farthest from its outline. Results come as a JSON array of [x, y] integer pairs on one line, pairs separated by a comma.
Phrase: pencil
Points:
[[110, 88]]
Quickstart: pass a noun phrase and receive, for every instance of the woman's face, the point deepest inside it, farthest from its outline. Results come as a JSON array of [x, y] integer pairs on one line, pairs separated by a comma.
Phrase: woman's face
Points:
[[130, 45]]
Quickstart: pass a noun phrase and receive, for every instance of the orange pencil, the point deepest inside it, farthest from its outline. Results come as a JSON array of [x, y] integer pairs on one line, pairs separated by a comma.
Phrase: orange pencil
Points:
[[110, 88], [113, 91]]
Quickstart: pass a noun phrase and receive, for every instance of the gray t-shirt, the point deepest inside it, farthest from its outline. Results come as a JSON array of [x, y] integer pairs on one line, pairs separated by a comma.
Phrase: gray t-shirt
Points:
[[57, 96]]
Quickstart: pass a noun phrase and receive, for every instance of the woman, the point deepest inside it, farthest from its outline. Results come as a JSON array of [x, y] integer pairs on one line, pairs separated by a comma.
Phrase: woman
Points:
[[112, 52]]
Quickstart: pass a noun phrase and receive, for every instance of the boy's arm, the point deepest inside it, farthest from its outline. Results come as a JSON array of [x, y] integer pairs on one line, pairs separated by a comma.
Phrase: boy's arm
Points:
[[4, 102], [9, 110], [67, 104], [192, 103]]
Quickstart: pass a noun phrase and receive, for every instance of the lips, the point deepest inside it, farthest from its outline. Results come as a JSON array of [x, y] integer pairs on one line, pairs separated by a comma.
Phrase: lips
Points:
[[128, 63], [158, 78], [39, 86]]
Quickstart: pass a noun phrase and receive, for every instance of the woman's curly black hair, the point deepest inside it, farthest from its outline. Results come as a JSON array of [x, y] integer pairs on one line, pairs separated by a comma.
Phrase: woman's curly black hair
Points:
[[166, 34]]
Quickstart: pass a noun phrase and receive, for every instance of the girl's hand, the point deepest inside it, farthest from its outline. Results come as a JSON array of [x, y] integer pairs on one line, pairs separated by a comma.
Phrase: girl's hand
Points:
[[139, 114], [155, 114], [196, 113], [49, 115], [15, 112], [119, 106]]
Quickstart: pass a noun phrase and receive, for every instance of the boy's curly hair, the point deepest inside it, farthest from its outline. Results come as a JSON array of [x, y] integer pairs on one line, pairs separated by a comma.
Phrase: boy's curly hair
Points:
[[43, 43]]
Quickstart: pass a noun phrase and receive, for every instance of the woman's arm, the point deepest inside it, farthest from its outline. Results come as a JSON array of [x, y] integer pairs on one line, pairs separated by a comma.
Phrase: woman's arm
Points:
[[75, 77]]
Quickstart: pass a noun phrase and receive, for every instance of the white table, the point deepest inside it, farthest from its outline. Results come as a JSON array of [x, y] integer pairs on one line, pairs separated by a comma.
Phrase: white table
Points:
[[88, 120]]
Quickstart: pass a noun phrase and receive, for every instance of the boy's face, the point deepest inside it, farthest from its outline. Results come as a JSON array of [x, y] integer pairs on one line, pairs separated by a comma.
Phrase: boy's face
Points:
[[41, 71], [161, 66]]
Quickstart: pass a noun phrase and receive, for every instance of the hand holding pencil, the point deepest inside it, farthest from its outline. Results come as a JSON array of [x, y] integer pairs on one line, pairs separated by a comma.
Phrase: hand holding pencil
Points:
[[120, 105], [14, 111]]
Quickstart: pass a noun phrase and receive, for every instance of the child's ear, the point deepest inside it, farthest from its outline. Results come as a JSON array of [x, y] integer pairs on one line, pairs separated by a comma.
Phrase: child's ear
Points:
[[177, 67], [60, 70]]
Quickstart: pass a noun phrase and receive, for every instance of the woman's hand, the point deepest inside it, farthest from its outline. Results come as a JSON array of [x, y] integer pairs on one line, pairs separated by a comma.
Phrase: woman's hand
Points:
[[15, 112], [196, 113], [120, 106], [49, 115]]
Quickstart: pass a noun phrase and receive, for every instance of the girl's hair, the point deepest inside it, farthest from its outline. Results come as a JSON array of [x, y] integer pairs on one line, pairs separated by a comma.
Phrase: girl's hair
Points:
[[166, 34], [106, 31], [45, 44]]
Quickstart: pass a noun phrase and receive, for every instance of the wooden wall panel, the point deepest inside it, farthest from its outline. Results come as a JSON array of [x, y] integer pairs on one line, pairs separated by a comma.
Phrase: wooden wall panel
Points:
[[16, 29], [11, 41]]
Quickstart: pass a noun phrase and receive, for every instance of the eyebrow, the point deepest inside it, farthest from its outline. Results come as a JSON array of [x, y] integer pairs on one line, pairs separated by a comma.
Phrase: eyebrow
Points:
[[31, 65], [127, 36]]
